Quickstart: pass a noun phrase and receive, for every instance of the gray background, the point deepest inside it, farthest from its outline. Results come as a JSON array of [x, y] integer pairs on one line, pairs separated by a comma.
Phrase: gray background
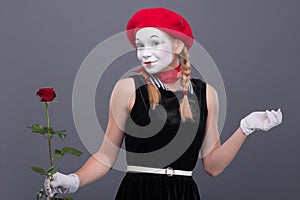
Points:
[[255, 44]]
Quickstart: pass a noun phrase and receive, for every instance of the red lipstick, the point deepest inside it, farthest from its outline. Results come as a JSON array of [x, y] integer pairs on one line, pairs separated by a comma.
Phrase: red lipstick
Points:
[[148, 63]]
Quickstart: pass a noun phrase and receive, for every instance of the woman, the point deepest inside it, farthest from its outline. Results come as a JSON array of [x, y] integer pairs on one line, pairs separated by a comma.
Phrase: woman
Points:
[[165, 118]]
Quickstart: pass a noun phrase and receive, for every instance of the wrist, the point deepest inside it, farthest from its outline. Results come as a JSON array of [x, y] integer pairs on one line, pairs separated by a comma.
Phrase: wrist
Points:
[[242, 132], [76, 182], [244, 126]]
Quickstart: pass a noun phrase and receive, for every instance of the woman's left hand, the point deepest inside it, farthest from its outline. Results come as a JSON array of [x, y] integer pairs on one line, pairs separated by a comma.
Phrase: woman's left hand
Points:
[[261, 121]]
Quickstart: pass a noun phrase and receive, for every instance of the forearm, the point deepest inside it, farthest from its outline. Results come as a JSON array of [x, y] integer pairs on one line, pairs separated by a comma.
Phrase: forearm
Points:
[[95, 168], [221, 157]]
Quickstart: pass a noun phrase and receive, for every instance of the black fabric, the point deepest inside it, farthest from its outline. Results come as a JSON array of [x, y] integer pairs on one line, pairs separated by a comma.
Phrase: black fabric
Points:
[[143, 138]]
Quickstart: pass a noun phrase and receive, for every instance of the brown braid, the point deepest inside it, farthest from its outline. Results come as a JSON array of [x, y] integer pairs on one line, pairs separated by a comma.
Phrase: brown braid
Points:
[[154, 94], [185, 109]]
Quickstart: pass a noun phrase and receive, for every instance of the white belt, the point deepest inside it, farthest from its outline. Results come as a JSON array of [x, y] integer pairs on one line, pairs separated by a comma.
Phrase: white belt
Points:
[[169, 171]]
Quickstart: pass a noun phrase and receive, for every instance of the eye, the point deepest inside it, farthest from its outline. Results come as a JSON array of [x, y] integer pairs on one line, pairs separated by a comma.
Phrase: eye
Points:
[[155, 43], [139, 45]]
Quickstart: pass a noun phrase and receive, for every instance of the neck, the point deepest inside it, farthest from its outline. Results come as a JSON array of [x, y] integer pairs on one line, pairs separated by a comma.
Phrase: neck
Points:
[[169, 76]]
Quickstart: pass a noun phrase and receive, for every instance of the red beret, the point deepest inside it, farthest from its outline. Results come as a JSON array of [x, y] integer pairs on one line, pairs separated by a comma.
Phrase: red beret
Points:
[[163, 19]]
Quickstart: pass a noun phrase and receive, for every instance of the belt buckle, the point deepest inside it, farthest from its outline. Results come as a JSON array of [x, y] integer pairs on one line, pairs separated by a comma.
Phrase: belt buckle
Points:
[[170, 171]]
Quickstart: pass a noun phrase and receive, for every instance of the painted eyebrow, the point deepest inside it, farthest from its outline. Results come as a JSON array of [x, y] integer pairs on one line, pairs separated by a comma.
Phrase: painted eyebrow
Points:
[[150, 37], [154, 36]]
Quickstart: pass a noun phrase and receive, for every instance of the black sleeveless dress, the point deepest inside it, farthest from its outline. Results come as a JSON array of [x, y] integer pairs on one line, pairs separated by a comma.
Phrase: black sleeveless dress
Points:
[[158, 138]]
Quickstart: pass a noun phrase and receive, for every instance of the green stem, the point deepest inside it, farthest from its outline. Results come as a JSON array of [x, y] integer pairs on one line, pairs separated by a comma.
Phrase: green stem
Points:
[[49, 134]]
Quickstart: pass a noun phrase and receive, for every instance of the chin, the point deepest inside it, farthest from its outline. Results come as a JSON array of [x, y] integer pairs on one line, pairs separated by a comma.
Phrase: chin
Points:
[[153, 69]]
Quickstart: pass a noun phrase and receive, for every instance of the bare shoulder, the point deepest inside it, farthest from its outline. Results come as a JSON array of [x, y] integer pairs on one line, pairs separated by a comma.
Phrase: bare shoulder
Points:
[[210, 89], [128, 81], [124, 93], [211, 96], [125, 86]]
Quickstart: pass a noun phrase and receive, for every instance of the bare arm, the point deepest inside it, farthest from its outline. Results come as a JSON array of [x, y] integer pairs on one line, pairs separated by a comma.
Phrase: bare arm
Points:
[[216, 157], [102, 161]]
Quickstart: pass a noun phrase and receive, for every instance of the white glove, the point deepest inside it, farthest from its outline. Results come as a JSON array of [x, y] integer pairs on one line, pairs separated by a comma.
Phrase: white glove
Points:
[[62, 184], [260, 121]]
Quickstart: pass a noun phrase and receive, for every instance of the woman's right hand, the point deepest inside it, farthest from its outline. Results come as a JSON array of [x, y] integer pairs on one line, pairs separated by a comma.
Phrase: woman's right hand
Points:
[[62, 184]]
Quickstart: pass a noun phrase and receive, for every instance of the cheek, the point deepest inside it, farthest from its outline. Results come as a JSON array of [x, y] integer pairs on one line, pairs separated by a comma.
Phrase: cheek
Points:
[[165, 51], [139, 55], [165, 57], [162, 53]]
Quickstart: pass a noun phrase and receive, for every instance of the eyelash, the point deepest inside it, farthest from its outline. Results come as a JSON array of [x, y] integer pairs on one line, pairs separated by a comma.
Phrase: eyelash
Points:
[[138, 45], [153, 43]]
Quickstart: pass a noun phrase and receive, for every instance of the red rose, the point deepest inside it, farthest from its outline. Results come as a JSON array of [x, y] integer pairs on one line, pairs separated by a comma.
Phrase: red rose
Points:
[[46, 94]]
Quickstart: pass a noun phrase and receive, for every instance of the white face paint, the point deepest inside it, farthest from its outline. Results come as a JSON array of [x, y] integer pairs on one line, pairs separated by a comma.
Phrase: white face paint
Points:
[[154, 50]]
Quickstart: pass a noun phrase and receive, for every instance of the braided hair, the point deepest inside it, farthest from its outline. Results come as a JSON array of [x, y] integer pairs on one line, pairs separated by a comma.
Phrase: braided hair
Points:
[[154, 94], [185, 109]]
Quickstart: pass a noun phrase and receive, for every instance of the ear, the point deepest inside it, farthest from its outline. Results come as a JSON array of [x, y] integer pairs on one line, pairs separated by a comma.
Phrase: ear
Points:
[[179, 45]]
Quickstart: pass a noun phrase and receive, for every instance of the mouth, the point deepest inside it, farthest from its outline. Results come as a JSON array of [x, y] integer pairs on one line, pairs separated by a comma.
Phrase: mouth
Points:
[[149, 63]]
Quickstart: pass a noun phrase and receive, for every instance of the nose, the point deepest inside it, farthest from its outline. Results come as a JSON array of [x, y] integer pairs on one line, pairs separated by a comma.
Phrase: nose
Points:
[[147, 52]]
